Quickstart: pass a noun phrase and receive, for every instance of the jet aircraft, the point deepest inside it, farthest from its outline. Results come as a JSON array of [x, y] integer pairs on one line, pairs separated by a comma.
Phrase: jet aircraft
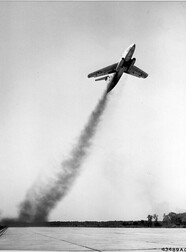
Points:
[[114, 72]]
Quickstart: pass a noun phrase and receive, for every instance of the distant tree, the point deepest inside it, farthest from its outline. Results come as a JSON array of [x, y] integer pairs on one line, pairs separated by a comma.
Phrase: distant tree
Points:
[[184, 220], [155, 217], [166, 219], [172, 218], [149, 217]]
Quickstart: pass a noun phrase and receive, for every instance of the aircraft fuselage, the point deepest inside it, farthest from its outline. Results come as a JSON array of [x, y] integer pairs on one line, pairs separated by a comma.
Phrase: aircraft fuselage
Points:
[[122, 66]]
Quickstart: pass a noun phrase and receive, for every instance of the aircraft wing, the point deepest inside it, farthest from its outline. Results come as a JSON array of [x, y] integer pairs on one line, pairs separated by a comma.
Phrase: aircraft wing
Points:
[[106, 70], [137, 72]]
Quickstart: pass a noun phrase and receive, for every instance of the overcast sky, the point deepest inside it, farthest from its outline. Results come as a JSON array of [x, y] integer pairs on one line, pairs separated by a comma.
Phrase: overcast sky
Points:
[[137, 163]]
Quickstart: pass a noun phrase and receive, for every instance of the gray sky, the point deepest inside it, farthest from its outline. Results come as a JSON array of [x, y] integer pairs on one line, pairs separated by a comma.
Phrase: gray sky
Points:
[[137, 162]]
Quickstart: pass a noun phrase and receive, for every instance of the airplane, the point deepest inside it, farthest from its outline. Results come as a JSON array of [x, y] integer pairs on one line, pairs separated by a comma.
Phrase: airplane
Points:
[[125, 65]]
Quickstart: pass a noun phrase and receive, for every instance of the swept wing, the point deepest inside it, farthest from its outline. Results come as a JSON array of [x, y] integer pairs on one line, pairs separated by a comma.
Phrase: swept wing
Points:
[[106, 70], [135, 71]]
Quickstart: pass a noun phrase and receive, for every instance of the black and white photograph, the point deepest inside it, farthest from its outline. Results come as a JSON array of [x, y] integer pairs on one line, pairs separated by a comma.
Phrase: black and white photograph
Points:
[[93, 126]]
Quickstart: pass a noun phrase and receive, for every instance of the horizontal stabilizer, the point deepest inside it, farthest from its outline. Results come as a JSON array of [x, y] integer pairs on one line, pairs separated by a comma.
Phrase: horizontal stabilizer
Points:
[[135, 71]]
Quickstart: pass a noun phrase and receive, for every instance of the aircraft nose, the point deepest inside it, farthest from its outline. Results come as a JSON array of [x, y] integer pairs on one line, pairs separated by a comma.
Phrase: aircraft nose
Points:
[[133, 46], [129, 52]]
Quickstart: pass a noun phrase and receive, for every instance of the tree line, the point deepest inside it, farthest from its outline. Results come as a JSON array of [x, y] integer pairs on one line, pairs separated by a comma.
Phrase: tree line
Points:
[[170, 220]]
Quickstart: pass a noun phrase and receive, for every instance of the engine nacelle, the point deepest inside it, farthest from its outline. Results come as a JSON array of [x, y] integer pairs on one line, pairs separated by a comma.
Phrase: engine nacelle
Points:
[[132, 63], [103, 78]]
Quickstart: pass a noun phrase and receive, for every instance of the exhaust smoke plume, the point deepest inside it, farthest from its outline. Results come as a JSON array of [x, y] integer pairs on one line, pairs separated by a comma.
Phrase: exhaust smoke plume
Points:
[[39, 202]]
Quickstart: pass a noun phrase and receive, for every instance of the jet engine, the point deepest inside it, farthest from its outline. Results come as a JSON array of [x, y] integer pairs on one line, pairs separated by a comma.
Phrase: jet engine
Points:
[[103, 78], [132, 63]]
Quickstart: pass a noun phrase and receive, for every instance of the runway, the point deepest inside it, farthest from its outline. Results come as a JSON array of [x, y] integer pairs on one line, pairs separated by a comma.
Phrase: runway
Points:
[[93, 239]]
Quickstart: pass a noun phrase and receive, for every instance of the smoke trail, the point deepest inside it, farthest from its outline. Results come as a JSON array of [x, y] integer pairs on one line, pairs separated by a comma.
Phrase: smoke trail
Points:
[[39, 202]]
